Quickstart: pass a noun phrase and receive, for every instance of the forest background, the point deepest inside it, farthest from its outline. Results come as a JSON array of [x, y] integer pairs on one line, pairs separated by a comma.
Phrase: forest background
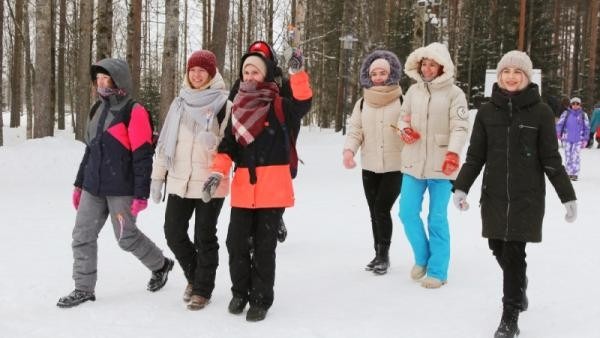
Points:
[[48, 45]]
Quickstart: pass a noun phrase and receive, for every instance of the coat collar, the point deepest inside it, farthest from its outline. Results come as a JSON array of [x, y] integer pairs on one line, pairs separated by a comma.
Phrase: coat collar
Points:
[[526, 98]]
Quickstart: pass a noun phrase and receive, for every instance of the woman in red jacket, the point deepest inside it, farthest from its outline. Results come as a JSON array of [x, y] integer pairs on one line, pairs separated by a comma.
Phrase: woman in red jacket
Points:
[[258, 143]]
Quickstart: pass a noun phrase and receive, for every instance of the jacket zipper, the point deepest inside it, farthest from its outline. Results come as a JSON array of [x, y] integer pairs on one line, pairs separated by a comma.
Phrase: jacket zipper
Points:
[[510, 110], [426, 125]]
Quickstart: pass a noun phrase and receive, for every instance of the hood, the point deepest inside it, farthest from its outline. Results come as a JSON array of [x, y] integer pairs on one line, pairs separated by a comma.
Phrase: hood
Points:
[[118, 71], [435, 51], [391, 58]]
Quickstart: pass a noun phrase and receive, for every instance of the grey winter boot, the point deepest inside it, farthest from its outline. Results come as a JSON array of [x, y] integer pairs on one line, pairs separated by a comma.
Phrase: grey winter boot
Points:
[[508, 327], [383, 259]]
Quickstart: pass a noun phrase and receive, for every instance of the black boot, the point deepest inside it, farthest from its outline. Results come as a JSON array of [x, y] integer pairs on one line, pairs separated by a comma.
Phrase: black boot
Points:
[[508, 327], [159, 277], [237, 305], [75, 298], [372, 264], [383, 259]]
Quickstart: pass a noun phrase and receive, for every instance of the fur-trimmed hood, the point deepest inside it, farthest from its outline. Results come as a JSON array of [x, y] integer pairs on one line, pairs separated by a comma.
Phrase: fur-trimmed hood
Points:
[[391, 58], [434, 51]]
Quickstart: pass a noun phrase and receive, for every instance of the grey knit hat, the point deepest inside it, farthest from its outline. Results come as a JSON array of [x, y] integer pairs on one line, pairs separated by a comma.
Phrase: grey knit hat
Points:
[[516, 59]]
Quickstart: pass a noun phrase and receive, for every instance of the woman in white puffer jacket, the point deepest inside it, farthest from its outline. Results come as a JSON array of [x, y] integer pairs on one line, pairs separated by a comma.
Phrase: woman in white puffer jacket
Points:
[[186, 148], [371, 130], [434, 125]]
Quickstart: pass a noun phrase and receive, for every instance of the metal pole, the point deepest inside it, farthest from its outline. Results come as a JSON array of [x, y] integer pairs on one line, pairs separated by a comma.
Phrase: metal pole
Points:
[[344, 95]]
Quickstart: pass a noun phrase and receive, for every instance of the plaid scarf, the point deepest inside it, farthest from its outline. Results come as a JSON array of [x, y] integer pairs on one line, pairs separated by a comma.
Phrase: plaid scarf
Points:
[[250, 109]]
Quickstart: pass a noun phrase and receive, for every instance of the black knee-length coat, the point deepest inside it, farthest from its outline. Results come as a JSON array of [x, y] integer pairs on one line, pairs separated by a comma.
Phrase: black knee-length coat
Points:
[[515, 143]]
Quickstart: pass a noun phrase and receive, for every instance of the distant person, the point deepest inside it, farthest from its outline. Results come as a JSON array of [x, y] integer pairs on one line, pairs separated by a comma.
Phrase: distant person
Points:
[[573, 130], [257, 145], [595, 124], [113, 180], [371, 130], [434, 124], [514, 142], [193, 128]]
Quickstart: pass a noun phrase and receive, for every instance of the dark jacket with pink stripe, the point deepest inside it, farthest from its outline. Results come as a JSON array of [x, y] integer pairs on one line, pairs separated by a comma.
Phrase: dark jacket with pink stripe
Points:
[[118, 152]]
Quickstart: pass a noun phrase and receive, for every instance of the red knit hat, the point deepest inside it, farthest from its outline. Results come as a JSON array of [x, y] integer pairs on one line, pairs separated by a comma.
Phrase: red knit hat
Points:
[[204, 59]]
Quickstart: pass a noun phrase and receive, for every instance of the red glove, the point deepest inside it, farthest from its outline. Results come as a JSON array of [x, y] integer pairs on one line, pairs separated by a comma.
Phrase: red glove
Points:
[[76, 197], [451, 163], [138, 205], [409, 136]]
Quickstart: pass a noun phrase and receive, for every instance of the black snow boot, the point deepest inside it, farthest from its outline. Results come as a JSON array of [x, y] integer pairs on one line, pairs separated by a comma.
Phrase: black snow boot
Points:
[[256, 314], [372, 264], [160, 276], [281, 231], [237, 305], [508, 327], [75, 298], [383, 259]]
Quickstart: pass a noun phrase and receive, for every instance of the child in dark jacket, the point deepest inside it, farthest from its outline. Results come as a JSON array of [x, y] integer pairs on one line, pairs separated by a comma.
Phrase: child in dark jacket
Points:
[[514, 139]]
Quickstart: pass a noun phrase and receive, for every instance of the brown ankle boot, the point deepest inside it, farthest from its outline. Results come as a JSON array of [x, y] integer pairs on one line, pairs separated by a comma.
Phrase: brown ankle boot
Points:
[[197, 303]]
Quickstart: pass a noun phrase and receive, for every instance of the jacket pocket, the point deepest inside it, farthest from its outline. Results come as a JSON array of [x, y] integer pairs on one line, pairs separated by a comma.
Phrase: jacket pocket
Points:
[[440, 150], [527, 140]]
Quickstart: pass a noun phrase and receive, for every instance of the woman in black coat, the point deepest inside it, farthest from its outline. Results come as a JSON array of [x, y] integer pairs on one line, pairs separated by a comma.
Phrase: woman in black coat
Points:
[[514, 138]]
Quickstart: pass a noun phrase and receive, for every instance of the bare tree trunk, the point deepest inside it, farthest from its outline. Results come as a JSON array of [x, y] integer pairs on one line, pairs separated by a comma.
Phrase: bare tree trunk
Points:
[[184, 44], [134, 26], [219, 38], [169, 57], [16, 71], [576, 49], [593, 32], [249, 23], [240, 38], [43, 110], [52, 38], [104, 28], [206, 17], [270, 14], [1, 73], [29, 72], [60, 78], [86, 17]]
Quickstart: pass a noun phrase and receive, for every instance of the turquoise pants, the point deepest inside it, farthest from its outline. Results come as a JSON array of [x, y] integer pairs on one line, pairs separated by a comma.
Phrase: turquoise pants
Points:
[[432, 248]]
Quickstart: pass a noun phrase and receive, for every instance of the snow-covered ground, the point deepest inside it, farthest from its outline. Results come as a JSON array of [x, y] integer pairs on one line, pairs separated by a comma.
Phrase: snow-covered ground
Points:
[[321, 289]]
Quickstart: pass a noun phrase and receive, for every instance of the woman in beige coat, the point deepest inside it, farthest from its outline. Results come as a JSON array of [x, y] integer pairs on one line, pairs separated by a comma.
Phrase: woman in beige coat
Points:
[[434, 125], [186, 148], [371, 130]]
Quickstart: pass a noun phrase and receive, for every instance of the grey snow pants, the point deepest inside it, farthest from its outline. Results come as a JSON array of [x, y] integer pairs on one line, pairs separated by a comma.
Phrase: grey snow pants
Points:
[[91, 216]]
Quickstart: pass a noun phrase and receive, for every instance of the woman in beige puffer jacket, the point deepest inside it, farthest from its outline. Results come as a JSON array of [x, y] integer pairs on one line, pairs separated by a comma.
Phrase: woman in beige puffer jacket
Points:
[[371, 130], [434, 125], [185, 152]]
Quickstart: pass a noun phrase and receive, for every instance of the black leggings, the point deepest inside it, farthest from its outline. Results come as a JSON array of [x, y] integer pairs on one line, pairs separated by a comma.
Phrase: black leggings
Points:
[[381, 191], [511, 258]]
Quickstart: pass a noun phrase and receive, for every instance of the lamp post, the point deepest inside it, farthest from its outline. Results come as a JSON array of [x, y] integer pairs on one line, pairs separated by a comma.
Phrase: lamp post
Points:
[[430, 19], [347, 42]]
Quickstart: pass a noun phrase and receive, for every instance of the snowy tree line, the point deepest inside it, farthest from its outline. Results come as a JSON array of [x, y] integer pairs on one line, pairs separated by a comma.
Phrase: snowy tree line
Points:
[[48, 45]]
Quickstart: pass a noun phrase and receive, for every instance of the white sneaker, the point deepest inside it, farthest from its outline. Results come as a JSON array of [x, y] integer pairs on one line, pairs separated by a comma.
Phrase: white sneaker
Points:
[[432, 283], [417, 272]]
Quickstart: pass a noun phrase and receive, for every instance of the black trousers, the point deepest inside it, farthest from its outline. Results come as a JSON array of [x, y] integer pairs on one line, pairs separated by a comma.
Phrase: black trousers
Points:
[[511, 258], [253, 274], [381, 191], [199, 260]]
